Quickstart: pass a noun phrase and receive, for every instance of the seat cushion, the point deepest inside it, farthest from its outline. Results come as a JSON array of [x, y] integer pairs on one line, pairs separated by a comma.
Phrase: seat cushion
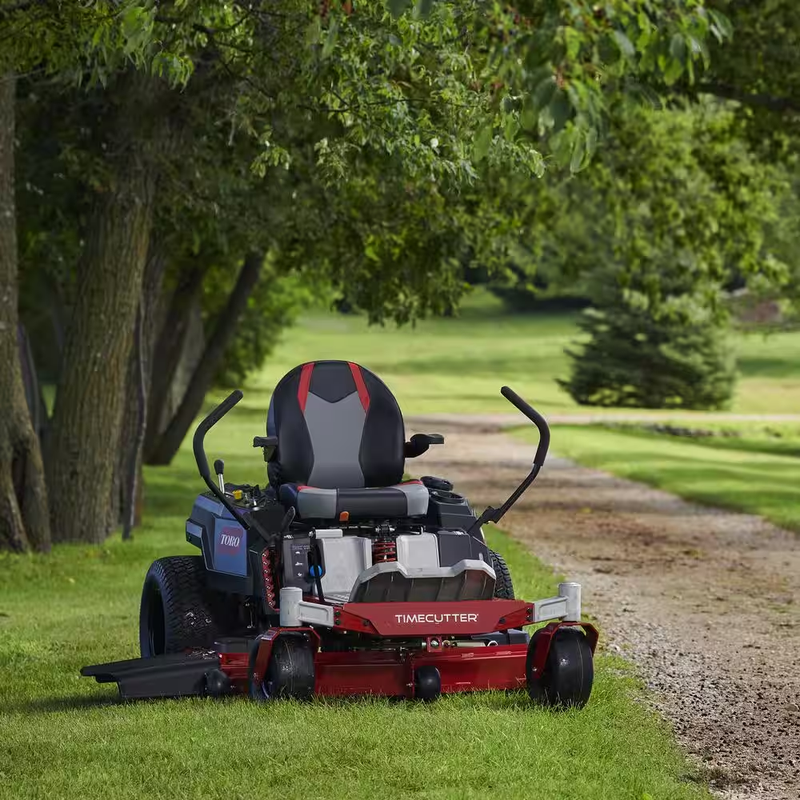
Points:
[[338, 427], [408, 499]]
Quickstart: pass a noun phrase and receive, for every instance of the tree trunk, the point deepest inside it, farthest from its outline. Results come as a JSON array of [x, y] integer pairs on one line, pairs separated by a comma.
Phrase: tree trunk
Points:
[[85, 436], [24, 520], [168, 351], [176, 431], [128, 488]]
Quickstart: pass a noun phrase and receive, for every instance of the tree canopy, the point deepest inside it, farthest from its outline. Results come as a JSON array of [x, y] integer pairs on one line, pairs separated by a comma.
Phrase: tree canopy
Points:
[[189, 166]]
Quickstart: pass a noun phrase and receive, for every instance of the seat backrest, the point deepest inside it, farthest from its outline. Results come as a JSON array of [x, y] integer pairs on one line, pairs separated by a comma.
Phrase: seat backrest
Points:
[[338, 427]]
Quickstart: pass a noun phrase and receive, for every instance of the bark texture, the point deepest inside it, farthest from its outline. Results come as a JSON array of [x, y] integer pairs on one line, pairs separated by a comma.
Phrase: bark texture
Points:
[[128, 488], [24, 520], [168, 443], [85, 437], [168, 352]]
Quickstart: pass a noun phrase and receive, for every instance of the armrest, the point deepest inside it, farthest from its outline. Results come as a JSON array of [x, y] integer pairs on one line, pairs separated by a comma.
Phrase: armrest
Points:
[[420, 442], [268, 443]]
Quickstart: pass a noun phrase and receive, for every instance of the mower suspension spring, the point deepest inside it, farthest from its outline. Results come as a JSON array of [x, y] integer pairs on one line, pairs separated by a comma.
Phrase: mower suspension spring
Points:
[[269, 585], [384, 549]]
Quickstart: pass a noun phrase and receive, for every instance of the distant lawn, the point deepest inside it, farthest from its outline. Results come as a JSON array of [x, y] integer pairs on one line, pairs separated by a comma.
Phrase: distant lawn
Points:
[[458, 364], [770, 369], [447, 364], [758, 473], [64, 736]]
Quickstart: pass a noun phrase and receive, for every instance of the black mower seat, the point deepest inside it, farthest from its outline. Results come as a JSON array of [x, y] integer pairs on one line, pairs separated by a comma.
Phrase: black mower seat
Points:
[[341, 445], [407, 499]]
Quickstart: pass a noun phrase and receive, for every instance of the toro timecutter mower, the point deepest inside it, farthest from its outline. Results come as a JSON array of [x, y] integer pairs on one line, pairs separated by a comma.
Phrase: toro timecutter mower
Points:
[[341, 578]]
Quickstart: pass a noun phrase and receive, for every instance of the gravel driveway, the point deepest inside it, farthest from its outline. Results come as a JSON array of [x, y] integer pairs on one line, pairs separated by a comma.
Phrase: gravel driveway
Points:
[[706, 602]]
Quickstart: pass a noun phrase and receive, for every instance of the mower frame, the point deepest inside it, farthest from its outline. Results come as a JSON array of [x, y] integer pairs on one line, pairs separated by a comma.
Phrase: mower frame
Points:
[[468, 645]]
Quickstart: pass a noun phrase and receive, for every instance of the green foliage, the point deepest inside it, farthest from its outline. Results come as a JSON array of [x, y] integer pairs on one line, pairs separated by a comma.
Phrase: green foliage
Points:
[[683, 206], [87, 43], [562, 64], [672, 191], [760, 71], [635, 359], [271, 307]]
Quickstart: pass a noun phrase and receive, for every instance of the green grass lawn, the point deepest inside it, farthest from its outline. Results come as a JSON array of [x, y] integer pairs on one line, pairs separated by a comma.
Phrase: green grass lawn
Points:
[[455, 364], [65, 736], [458, 364], [757, 471]]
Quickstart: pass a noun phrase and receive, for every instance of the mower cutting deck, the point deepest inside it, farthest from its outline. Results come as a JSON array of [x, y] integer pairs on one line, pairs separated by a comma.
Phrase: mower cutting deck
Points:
[[340, 578]]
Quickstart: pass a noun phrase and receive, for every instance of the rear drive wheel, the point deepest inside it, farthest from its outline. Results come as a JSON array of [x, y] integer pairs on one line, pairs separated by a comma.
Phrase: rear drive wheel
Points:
[[568, 675], [178, 612], [290, 671], [503, 587]]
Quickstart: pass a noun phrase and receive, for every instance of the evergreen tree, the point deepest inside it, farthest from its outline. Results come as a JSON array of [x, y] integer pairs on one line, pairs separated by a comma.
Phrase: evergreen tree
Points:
[[637, 356]]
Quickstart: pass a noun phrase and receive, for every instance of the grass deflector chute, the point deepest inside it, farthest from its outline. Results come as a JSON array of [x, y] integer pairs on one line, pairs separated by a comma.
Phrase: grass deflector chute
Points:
[[342, 579]]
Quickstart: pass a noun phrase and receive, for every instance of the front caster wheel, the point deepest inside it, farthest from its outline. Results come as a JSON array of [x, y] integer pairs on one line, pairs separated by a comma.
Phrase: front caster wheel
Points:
[[427, 683], [568, 674], [290, 671], [218, 684]]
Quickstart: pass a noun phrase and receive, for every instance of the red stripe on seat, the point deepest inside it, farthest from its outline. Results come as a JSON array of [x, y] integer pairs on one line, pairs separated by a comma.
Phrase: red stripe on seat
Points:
[[405, 483], [361, 387], [305, 382]]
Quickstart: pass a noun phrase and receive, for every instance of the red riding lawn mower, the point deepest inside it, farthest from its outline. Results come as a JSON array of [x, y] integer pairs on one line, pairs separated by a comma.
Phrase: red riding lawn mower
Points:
[[341, 578]]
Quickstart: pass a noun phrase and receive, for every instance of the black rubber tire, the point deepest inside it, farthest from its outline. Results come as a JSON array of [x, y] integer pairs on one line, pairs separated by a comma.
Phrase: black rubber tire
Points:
[[568, 675], [218, 684], [504, 586], [290, 672], [178, 612], [427, 683]]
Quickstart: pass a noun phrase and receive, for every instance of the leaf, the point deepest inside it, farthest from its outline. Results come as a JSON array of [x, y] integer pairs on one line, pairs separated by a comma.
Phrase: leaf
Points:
[[483, 142], [330, 38], [529, 118], [314, 31], [723, 23], [578, 158], [560, 110], [511, 129], [543, 93], [677, 47], [572, 41], [625, 44], [673, 71], [423, 8], [397, 7], [591, 143]]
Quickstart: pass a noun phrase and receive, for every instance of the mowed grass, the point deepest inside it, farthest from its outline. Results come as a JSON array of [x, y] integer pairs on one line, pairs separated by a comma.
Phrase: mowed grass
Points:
[[64, 736], [756, 472], [446, 364], [459, 364]]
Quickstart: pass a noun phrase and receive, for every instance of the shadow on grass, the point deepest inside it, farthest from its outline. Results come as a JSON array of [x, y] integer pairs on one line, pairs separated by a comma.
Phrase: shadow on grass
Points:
[[488, 700], [471, 365], [766, 367], [55, 705]]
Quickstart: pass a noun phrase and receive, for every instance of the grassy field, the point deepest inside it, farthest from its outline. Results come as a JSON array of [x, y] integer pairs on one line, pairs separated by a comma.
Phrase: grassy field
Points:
[[459, 364], [64, 736], [757, 471]]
